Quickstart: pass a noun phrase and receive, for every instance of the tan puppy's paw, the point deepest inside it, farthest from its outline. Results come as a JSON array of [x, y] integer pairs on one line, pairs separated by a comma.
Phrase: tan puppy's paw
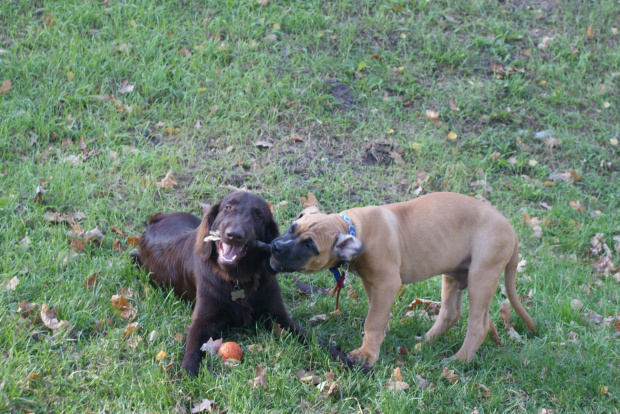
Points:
[[362, 356]]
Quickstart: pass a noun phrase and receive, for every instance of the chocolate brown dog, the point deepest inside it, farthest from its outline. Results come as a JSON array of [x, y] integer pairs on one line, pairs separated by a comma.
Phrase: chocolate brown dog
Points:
[[230, 279], [470, 243]]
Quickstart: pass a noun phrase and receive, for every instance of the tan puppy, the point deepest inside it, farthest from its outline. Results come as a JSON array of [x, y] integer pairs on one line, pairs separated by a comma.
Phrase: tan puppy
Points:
[[470, 243]]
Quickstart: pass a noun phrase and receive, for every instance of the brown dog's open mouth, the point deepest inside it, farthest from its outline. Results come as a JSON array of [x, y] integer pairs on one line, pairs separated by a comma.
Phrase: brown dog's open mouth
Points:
[[229, 254]]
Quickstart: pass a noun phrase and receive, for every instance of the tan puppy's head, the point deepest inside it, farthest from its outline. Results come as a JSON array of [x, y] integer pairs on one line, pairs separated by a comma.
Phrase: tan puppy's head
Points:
[[314, 242]]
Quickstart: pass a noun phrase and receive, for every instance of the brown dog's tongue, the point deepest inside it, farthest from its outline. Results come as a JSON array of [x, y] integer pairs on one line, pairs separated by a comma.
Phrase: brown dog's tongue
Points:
[[229, 251]]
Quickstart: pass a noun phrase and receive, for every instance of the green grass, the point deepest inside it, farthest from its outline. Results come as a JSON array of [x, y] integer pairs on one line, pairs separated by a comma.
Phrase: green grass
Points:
[[398, 59]]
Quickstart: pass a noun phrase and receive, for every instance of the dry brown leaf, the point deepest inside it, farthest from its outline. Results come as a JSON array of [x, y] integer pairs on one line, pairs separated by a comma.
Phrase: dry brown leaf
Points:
[[424, 383], [308, 377], [91, 281], [10, 284], [26, 308], [432, 114], [493, 333], [450, 375], [130, 329], [577, 206], [133, 241], [576, 304], [116, 245], [504, 311], [93, 235], [454, 106], [179, 337], [396, 374], [126, 87], [603, 265], [205, 406], [160, 355], [398, 159], [5, 87], [121, 304], [77, 245], [212, 346], [48, 316], [394, 385], [352, 293], [260, 380], [167, 182], [310, 201]]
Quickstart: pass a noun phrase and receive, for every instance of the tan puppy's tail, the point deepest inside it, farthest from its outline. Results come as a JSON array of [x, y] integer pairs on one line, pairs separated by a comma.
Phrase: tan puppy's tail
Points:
[[509, 280]]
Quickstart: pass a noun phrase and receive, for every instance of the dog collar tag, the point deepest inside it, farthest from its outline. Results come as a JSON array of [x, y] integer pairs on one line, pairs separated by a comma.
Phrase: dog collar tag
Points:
[[237, 293]]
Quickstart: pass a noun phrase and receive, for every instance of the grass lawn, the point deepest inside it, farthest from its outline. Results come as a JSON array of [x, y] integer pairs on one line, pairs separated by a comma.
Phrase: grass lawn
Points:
[[516, 102]]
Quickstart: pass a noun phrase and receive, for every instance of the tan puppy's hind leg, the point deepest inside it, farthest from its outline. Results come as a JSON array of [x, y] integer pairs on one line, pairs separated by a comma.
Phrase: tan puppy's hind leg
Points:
[[482, 286], [450, 311], [381, 297]]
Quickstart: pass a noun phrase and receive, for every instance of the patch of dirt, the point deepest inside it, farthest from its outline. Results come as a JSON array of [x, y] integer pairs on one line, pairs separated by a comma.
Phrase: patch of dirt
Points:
[[340, 91]]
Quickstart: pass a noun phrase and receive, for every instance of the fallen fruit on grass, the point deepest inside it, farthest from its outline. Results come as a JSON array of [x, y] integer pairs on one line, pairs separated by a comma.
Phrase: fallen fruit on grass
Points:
[[230, 350]]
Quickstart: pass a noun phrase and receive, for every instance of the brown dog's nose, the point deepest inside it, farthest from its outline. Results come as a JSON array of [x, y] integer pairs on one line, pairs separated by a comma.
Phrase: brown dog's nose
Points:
[[234, 234]]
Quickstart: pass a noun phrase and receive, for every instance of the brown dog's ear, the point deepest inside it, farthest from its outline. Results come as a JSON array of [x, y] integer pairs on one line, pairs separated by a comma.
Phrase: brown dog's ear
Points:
[[272, 231], [347, 247], [203, 249], [309, 210]]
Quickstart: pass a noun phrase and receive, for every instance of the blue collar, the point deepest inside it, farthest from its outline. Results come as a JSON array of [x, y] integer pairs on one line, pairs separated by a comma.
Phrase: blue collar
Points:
[[345, 265]]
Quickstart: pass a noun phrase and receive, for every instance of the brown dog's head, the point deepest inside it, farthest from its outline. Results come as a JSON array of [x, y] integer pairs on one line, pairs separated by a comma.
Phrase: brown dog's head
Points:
[[240, 218], [314, 242]]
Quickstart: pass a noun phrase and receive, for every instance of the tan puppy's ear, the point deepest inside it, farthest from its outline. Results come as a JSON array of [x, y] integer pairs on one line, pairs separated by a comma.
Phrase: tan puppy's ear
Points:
[[347, 247], [309, 210]]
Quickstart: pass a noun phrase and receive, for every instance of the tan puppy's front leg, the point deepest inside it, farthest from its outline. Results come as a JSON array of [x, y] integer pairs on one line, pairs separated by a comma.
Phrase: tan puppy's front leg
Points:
[[381, 296]]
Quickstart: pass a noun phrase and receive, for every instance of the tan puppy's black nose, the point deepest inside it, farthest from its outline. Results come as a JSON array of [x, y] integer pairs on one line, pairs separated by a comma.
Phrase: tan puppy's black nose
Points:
[[234, 234]]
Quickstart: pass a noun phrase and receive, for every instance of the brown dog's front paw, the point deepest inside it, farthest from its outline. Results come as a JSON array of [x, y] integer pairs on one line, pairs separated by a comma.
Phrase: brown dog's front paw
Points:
[[362, 356]]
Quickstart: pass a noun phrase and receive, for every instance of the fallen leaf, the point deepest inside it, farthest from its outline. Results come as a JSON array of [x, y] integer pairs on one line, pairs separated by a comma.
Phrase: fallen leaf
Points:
[[603, 265], [93, 235], [394, 385], [48, 316], [432, 114], [11, 284], [167, 182], [396, 375], [121, 304], [133, 241], [260, 380], [592, 317], [310, 201], [91, 281], [486, 392], [534, 223], [452, 135], [494, 334], [5, 87], [205, 406], [179, 337], [590, 31], [544, 44], [398, 159], [454, 106], [424, 383], [126, 87], [576, 205], [160, 355], [576, 304], [315, 320], [26, 308], [212, 346], [77, 245], [116, 245], [130, 329], [450, 375], [308, 377], [352, 293], [613, 141]]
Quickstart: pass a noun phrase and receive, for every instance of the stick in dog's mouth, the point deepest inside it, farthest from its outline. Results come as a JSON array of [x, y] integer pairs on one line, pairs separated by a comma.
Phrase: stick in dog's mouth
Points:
[[257, 244]]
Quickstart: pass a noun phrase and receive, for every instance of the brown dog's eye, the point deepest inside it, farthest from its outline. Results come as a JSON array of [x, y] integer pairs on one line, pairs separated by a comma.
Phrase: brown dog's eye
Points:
[[258, 217], [228, 207]]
